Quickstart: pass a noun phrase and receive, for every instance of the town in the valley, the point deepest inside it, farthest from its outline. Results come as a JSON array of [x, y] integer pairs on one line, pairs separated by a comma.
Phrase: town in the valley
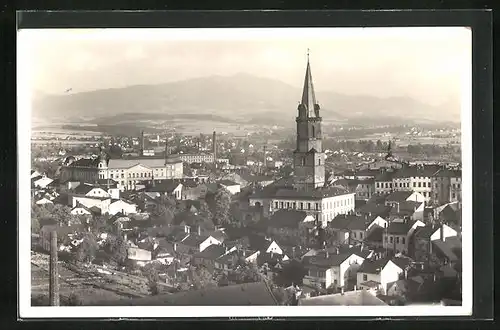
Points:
[[215, 219]]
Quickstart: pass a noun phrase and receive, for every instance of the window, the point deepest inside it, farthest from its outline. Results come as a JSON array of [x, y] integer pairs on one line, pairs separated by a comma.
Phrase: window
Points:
[[403, 240], [122, 176], [458, 185], [453, 186], [319, 161], [281, 204], [308, 206], [111, 175], [317, 206], [414, 184], [378, 184], [361, 234], [420, 184], [391, 239], [453, 195], [365, 277], [385, 239], [397, 240], [287, 205], [301, 205], [276, 204], [294, 205], [313, 131]]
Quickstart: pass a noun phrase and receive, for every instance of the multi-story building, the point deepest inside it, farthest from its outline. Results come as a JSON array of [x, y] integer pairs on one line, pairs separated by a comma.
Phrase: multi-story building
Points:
[[128, 172], [197, 158]]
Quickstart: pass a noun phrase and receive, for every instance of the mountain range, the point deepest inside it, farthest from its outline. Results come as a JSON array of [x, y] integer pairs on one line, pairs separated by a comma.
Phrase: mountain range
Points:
[[240, 98]]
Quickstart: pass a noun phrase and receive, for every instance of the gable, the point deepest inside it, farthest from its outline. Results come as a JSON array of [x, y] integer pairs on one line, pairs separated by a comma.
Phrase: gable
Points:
[[97, 192], [139, 167]]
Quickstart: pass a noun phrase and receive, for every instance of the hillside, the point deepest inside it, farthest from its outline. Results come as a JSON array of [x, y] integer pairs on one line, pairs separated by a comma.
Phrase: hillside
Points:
[[239, 98]]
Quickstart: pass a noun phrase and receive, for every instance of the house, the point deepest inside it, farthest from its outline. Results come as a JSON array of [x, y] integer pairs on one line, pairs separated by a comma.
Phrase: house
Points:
[[168, 187], [90, 191], [351, 298], [208, 256], [64, 234], [42, 182], [332, 270], [199, 190], [198, 242], [423, 236], [35, 174], [397, 235], [447, 251], [375, 275], [122, 207], [139, 256], [43, 201], [231, 186], [264, 244], [403, 288], [81, 210], [403, 196], [407, 209], [383, 182]]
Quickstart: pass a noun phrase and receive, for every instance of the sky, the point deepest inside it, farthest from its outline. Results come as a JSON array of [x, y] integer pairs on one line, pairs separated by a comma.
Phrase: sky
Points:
[[426, 64]]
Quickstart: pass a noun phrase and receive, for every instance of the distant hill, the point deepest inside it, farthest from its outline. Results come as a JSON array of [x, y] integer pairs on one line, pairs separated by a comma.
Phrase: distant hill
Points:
[[239, 98]]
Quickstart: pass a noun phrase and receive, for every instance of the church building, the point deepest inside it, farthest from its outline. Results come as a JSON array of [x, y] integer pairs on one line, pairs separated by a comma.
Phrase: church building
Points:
[[306, 189]]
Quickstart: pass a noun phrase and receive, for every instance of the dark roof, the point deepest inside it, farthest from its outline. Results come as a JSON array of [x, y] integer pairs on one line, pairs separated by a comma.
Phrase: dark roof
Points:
[[341, 221], [417, 171], [398, 196], [425, 232], [405, 208], [375, 209], [401, 262], [164, 186], [85, 162], [311, 195], [446, 249], [287, 219], [83, 189], [248, 294], [450, 173], [212, 252], [398, 228], [322, 260], [384, 176], [359, 222], [193, 240], [372, 266]]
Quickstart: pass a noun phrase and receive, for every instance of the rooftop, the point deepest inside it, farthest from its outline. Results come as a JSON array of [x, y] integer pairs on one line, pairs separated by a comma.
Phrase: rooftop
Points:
[[287, 219]]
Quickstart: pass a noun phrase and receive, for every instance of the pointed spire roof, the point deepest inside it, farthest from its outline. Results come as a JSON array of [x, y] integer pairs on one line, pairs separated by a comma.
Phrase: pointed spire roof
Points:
[[308, 96]]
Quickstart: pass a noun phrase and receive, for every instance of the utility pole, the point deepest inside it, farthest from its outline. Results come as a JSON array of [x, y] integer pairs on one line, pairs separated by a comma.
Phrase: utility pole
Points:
[[53, 271]]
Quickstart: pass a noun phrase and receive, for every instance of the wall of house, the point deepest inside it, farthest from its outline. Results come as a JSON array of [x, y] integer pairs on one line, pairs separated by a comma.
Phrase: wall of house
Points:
[[233, 189], [401, 184], [446, 232], [362, 277], [98, 192], [274, 247], [209, 241], [397, 243], [390, 273], [379, 221], [79, 211], [137, 254], [357, 236], [85, 174], [349, 268], [123, 207], [89, 202], [383, 187], [422, 185]]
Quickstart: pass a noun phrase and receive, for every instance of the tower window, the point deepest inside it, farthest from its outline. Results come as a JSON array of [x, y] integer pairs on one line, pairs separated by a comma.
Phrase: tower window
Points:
[[313, 130], [319, 161], [303, 161]]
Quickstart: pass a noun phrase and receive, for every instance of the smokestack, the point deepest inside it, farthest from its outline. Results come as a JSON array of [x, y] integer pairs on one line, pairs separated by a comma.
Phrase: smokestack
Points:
[[199, 230], [441, 232], [265, 158], [54, 274], [142, 143], [175, 247], [214, 146]]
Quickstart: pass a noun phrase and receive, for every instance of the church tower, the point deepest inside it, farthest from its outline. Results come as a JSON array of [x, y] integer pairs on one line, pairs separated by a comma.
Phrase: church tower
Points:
[[309, 167]]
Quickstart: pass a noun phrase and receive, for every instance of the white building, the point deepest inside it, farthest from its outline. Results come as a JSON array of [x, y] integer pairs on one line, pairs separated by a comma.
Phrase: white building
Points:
[[123, 207]]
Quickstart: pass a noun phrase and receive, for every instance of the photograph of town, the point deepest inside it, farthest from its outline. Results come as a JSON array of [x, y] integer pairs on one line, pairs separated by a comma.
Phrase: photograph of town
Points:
[[240, 169]]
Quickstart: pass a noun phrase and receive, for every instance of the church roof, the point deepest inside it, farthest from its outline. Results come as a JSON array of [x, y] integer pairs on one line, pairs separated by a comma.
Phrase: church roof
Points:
[[308, 96]]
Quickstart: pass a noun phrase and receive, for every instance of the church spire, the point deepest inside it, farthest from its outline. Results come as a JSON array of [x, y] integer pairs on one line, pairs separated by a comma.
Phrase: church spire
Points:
[[308, 97]]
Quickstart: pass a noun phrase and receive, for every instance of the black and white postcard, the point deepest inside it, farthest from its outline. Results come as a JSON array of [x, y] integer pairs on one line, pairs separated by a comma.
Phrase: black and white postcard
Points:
[[248, 172]]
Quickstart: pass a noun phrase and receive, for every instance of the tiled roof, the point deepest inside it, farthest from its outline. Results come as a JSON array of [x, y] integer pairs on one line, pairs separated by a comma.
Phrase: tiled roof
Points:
[[85, 162], [375, 209], [425, 232], [446, 249], [375, 234], [373, 266], [287, 219], [398, 196], [339, 222], [167, 186], [128, 163], [385, 176], [194, 240], [448, 173], [83, 189], [212, 252], [248, 294], [398, 228], [227, 183], [401, 262]]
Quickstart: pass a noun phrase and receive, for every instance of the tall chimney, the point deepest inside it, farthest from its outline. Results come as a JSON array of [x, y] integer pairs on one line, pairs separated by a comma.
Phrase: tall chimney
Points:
[[53, 270], [142, 143], [214, 146], [265, 158], [166, 149]]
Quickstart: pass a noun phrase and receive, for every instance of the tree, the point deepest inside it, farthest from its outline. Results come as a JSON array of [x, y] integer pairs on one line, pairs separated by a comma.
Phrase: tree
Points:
[[74, 300], [153, 279], [88, 248], [200, 277], [118, 249], [35, 225], [222, 214], [204, 211], [62, 215]]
